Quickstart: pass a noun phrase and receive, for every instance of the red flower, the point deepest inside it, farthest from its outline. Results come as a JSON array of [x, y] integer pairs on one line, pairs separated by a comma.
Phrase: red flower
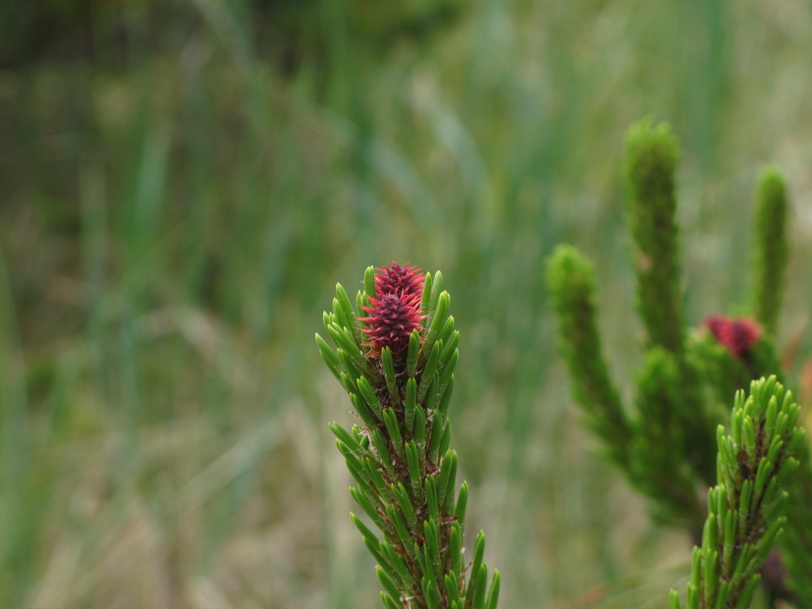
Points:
[[395, 312], [737, 335]]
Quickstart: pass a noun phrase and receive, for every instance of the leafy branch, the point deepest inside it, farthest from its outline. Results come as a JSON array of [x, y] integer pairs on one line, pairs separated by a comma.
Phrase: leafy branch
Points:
[[397, 366], [745, 509]]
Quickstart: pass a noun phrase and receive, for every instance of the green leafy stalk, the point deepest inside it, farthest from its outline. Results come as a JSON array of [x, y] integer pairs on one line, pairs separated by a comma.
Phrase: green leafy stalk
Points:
[[651, 158], [400, 380], [571, 282], [746, 507], [771, 248], [796, 545], [649, 449]]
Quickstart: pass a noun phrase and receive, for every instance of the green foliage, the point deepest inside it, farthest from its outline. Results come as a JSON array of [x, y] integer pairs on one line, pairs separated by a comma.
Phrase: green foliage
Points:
[[405, 472], [572, 286], [796, 544], [175, 442], [745, 509], [651, 160], [659, 467], [771, 248], [667, 446]]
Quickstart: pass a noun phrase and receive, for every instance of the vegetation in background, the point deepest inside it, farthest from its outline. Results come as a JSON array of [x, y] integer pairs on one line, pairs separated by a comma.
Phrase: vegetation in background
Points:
[[176, 203]]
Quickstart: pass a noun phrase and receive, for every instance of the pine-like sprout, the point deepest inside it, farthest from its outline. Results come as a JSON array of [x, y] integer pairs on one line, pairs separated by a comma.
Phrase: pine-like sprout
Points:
[[746, 507], [397, 366], [571, 282], [648, 448], [651, 158], [771, 248]]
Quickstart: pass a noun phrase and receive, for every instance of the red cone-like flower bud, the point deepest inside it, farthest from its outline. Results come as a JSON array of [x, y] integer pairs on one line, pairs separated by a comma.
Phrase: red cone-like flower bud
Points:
[[395, 313], [393, 318], [737, 335]]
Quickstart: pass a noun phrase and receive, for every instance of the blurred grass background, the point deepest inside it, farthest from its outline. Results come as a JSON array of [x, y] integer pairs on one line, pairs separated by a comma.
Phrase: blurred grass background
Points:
[[182, 184]]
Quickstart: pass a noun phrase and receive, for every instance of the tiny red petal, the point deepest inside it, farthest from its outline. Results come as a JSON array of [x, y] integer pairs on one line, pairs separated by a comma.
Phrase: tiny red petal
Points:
[[397, 278], [737, 335], [715, 323]]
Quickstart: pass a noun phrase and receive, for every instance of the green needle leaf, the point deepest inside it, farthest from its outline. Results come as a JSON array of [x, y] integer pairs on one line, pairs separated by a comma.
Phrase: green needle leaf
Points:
[[370, 511], [363, 411], [405, 504], [445, 475], [390, 419], [369, 396], [346, 437], [389, 603], [413, 353], [479, 553], [420, 432], [426, 297], [387, 583], [366, 532], [369, 282], [382, 448], [432, 502], [409, 406], [352, 371], [481, 587], [436, 289], [446, 333], [428, 372], [448, 369], [389, 375], [432, 393], [493, 595], [400, 526], [452, 587], [329, 356], [462, 504], [437, 432], [446, 400], [455, 548], [413, 461], [432, 535], [450, 345], [446, 439], [348, 317], [437, 321]]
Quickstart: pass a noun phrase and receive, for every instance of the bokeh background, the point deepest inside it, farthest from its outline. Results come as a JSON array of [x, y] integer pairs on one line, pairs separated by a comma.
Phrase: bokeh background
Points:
[[181, 185]]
